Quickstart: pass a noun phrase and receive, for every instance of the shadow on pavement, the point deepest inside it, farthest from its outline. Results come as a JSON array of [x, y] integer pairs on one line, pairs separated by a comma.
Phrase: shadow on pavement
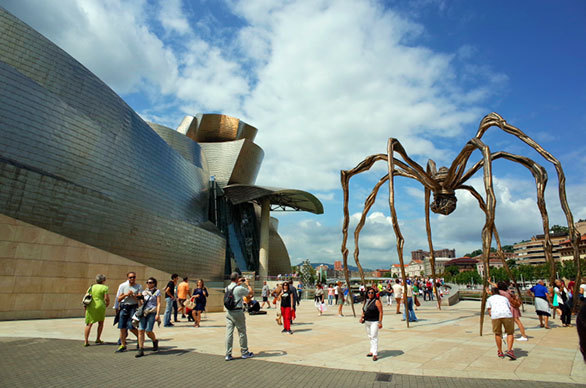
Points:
[[170, 351], [390, 353], [300, 330], [270, 353], [519, 353]]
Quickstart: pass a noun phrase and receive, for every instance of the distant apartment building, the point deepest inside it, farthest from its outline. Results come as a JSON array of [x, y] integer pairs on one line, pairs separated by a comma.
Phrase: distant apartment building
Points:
[[533, 251], [439, 265], [463, 263], [379, 273], [421, 254], [493, 261]]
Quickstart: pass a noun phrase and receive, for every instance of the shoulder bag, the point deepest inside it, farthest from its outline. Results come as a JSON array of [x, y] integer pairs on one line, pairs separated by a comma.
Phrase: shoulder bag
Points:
[[87, 298]]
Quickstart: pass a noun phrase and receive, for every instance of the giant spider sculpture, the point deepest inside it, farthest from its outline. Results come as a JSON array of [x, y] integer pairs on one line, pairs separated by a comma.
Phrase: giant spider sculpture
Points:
[[444, 182]]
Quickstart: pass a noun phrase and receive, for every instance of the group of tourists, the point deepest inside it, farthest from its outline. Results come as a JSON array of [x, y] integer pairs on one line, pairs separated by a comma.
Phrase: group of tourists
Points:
[[138, 308]]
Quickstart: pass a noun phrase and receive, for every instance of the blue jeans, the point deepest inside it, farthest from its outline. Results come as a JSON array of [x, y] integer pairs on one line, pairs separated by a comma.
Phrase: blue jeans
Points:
[[330, 299], [168, 309], [412, 317]]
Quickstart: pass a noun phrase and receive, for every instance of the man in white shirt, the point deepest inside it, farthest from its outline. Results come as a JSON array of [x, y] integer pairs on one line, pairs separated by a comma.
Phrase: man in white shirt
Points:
[[398, 292], [499, 310]]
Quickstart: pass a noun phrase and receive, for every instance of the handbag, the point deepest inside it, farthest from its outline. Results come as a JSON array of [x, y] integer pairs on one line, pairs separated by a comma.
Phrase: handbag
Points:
[[87, 298], [189, 303], [417, 302]]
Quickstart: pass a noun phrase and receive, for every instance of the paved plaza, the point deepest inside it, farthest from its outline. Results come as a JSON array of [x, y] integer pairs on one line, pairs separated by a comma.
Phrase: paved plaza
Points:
[[442, 349]]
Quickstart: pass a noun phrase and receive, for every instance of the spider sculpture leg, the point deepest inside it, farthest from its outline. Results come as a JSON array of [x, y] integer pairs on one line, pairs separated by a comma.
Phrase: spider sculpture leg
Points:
[[489, 224], [430, 243], [367, 206], [345, 176], [400, 240], [401, 169], [500, 253], [540, 175], [494, 119]]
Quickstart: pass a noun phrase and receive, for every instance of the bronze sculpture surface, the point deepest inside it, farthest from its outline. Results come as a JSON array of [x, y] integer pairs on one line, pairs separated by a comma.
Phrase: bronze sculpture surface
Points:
[[444, 182]]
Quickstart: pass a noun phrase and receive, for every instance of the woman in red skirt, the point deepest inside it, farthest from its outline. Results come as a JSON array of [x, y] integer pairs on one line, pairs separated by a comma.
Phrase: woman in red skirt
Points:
[[286, 298]]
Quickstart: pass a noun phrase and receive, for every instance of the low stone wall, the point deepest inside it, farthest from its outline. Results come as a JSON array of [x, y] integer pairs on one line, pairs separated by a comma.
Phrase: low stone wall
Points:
[[451, 299], [45, 275]]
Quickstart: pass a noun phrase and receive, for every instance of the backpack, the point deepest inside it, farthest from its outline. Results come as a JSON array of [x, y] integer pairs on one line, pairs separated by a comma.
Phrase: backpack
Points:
[[229, 300]]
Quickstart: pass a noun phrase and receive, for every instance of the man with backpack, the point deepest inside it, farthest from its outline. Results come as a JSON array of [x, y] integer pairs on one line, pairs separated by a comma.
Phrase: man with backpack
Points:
[[233, 295]]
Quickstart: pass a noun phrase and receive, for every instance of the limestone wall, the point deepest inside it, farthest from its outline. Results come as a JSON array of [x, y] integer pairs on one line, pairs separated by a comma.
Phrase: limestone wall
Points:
[[45, 275]]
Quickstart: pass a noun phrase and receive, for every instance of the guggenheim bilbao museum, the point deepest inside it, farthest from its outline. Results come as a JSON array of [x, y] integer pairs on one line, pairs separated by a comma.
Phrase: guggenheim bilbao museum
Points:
[[88, 187]]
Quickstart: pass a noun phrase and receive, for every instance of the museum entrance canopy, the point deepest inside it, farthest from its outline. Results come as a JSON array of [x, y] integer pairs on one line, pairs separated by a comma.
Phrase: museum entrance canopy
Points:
[[279, 198]]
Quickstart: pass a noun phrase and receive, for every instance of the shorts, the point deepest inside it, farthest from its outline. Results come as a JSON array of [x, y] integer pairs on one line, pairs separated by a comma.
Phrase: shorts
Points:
[[181, 302], [147, 323], [508, 323], [126, 313], [265, 298]]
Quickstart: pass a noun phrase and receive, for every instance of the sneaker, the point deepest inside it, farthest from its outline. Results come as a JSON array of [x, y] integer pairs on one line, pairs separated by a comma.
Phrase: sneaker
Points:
[[501, 355], [374, 358], [522, 339], [85, 345], [99, 342], [119, 342], [121, 349], [248, 355], [229, 357], [511, 355], [283, 331], [155, 345], [139, 354], [290, 332]]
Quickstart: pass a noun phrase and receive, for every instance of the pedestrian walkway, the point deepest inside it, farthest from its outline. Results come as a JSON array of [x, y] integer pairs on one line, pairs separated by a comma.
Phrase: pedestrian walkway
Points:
[[442, 348], [41, 362]]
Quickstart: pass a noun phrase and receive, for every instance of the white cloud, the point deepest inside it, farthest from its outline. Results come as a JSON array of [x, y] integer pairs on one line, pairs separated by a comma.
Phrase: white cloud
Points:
[[173, 17], [337, 81]]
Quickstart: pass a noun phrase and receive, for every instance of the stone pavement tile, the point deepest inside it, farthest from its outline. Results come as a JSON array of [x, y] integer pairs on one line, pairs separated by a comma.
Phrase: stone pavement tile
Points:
[[447, 336]]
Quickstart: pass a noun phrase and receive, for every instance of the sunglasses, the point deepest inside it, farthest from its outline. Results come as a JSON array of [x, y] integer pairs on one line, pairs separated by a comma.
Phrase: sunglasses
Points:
[[150, 282], [370, 292], [132, 277]]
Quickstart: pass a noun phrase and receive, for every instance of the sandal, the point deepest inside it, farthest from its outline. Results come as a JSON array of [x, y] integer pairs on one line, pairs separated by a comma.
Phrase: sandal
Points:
[[374, 358], [99, 342], [369, 355], [85, 345]]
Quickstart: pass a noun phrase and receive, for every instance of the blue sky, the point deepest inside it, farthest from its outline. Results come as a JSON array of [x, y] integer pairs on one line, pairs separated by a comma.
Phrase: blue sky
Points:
[[328, 82]]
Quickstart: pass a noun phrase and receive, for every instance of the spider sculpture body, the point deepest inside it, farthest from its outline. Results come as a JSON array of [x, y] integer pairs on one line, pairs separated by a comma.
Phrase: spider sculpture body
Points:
[[444, 182]]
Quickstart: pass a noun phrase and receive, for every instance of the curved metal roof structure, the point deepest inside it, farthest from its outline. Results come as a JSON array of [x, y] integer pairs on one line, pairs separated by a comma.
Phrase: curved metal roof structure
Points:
[[278, 197]]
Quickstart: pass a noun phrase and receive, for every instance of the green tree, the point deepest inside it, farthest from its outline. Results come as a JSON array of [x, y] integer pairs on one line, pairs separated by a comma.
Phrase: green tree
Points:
[[387, 274], [395, 276], [468, 277], [559, 229], [452, 270], [508, 249], [512, 263]]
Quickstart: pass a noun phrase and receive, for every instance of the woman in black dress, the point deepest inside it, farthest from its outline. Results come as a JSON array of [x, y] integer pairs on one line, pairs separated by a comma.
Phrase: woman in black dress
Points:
[[200, 295]]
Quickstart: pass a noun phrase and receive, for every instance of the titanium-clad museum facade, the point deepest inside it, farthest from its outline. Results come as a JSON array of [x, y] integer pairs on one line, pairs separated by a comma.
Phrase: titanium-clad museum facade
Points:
[[77, 161]]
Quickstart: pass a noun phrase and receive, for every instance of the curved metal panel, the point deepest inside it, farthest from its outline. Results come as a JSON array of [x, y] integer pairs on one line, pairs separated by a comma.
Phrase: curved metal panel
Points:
[[189, 149], [211, 127], [279, 261], [76, 160], [233, 161], [295, 199]]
